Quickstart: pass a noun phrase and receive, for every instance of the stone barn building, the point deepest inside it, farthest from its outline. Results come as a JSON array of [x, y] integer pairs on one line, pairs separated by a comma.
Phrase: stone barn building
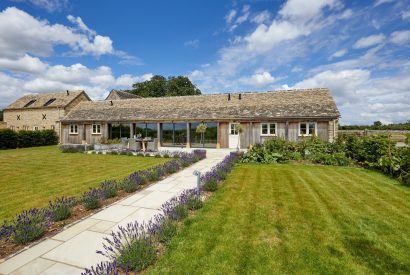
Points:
[[232, 119], [42, 111]]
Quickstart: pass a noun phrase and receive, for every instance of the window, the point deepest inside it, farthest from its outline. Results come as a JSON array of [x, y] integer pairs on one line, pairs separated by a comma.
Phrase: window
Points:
[[49, 101], [96, 129], [73, 129], [30, 103], [35, 128], [268, 129], [307, 128], [233, 129], [25, 127], [53, 127], [11, 127]]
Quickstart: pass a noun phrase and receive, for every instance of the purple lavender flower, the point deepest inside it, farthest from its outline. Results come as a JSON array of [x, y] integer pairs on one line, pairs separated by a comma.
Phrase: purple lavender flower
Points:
[[103, 268]]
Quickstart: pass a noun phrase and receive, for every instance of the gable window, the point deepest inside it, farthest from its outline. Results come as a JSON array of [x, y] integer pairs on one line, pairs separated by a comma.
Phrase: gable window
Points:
[[307, 129], [268, 129], [73, 129], [29, 103], [96, 129]]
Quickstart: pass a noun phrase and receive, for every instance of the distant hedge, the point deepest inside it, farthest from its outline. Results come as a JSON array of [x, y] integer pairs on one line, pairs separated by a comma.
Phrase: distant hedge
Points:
[[10, 139]]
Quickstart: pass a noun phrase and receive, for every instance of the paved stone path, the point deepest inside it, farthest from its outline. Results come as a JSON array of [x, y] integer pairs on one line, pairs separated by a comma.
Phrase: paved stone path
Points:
[[73, 249]]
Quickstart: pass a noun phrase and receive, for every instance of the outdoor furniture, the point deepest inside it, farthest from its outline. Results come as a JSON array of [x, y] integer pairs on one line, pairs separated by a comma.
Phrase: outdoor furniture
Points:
[[124, 143], [153, 145], [134, 145]]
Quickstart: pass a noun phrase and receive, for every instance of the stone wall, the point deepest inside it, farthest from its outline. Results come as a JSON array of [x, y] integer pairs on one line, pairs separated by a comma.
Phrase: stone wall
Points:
[[3, 125], [30, 118]]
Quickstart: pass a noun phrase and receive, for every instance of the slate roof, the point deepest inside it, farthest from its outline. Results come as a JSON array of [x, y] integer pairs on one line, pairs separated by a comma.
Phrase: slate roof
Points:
[[304, 103], [62, 99], [118, 95]]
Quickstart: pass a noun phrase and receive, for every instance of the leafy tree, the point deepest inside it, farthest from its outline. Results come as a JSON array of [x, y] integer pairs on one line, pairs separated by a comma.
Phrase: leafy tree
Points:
[[181, 86], [159, 86], [377, 123]]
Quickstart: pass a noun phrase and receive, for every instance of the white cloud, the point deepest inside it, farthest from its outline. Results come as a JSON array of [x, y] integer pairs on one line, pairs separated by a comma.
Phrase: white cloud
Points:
[[405, 15], [26, 64], [49, 5], [306, 10], [400, 37], [192, 43], [369, 41], [22, 33], [230, 16], [339, 53], [381, 2], [363, 99], [196, 74], [245, 14], [262, 17], [96, 82], [258, 79], [81, 25]]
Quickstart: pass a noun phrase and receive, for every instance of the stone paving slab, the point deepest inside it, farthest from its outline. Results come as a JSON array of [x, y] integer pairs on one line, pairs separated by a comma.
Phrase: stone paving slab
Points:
[[74, 249], [36, 266], [79, 251], [75, 229], [28, 255], [62, 269], [114, 213], [154, 200]]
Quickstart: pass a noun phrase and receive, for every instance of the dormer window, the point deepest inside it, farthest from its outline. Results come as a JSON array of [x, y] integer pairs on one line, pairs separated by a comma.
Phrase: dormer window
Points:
[[30, 103], [49, 101]]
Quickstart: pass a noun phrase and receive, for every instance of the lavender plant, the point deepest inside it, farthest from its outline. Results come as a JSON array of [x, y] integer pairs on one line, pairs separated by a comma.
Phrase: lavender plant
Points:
[[194, 202], [129, 186], [132, 247], [109, 188], [92, 199], [29, 225], [103, 268], [167, 230], [60, 208]]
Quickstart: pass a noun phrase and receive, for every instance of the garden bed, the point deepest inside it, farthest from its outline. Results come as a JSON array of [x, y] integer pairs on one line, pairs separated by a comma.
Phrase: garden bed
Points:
[[29, 226]]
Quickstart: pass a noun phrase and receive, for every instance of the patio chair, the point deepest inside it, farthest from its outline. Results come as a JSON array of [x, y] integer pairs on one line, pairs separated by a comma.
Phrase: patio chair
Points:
[[124, 144], [134, 145], [153, 145]]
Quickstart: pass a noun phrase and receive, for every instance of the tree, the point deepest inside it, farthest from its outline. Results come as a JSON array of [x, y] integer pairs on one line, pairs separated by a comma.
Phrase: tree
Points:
[[159, 86], [377, 123], [201, 128]]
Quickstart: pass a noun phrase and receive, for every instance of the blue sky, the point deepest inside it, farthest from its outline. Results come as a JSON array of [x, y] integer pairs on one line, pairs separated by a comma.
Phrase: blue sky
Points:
[[358, 49]]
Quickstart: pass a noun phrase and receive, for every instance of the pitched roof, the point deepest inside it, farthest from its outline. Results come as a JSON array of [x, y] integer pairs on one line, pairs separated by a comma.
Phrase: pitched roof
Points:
[[312, 103], [45, 100], [118, 95]]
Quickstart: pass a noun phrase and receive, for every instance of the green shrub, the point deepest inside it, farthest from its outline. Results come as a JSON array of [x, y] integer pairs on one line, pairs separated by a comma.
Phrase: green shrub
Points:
[[194, 203], [10, 139], [109, 188], [138, 255], [167, 230], [128, 186], [180, 212], [210, 185]]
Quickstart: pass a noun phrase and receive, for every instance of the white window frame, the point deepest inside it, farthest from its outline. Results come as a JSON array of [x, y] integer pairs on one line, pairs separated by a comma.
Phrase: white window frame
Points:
[[35, 128], [73, 129], [308, 133], [269, 129], [11, 127], [233, 131], [94, 131]]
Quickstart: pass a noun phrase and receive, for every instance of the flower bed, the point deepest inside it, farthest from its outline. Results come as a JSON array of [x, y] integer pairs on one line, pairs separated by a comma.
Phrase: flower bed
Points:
[[35, 223], [136, 246]]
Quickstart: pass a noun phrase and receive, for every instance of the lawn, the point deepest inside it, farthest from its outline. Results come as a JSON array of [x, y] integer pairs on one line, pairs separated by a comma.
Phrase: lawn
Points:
[[31, 177], [298, 219]]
